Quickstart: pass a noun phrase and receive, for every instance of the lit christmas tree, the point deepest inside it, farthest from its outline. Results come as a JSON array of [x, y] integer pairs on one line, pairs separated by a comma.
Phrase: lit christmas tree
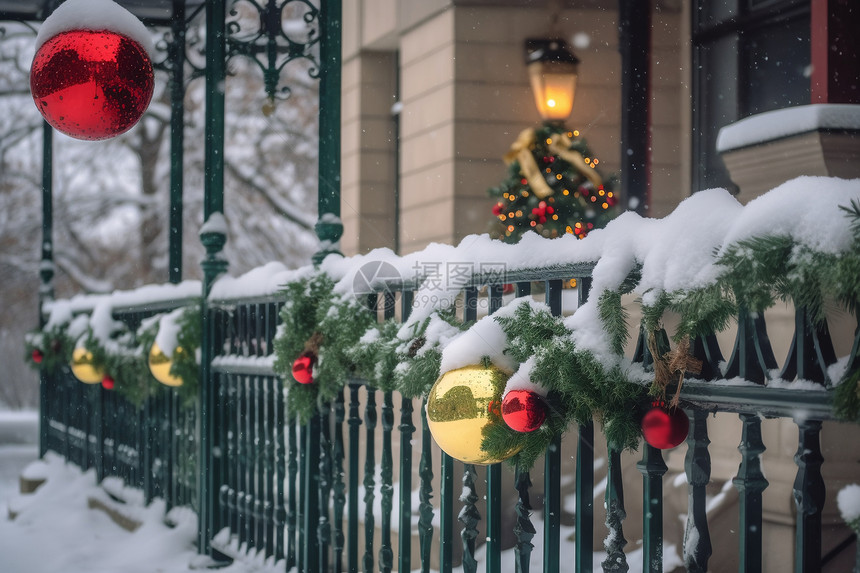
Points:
[[553, 187]]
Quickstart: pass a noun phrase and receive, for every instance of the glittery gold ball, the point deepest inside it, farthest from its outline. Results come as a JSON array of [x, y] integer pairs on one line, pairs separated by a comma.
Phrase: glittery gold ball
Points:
[[461, 405], [159, 366], [83, 367]]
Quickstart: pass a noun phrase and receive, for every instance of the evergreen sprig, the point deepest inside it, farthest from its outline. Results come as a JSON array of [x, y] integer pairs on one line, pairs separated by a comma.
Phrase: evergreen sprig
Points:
[[315, 319], [579, 388], [54, 345], [185, 364], [614, 318], [122, 358]]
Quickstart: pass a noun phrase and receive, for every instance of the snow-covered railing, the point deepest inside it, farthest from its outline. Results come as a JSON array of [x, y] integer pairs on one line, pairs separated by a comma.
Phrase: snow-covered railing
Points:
[[124, 423], [276, 488]]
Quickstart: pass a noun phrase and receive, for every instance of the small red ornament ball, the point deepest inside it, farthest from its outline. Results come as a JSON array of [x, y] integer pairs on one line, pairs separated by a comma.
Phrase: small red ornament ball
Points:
[[664, 427], [91, 84], [107, 382], [37, 356], [303, 367], [523, 410]]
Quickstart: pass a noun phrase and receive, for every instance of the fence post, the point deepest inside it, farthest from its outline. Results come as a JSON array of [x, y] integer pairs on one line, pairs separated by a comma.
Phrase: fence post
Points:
[[46, 271], [329, 228], [213, 238]]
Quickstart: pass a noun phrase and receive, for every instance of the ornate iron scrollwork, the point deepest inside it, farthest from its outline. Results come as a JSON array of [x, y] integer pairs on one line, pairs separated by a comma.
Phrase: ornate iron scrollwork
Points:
[[273, 34]]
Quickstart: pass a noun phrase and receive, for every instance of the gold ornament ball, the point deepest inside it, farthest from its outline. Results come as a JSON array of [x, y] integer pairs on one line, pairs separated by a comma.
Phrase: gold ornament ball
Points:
[[83, 367], [460, 407], [160, 363]]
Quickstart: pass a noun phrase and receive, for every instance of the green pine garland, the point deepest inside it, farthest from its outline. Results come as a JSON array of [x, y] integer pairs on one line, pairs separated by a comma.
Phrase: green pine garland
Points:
[[121, 359], [315, 319], [124, 355], [54, 345], [348, 342]]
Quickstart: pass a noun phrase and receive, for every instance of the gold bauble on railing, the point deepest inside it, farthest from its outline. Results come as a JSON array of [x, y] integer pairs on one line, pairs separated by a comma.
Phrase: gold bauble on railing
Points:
[[83, 367], [160, 364], [460, 405]]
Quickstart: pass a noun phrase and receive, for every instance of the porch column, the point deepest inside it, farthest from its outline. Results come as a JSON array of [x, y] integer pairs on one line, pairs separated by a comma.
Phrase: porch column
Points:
[[634, 39]]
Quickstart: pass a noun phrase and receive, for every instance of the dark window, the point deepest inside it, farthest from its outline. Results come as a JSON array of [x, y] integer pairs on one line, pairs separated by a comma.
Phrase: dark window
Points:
[[749, 56]]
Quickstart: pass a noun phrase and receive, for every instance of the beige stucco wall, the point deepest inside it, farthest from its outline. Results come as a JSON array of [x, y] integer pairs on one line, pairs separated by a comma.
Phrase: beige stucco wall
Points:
[[465, 97]]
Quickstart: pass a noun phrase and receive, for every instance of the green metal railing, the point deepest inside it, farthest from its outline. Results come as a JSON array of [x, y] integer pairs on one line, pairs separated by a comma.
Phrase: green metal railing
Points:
[[151, 446], [321, 497], [325, 515]]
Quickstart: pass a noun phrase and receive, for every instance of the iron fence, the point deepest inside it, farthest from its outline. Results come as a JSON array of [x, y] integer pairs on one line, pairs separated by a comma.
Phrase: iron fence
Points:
[[323, 496]]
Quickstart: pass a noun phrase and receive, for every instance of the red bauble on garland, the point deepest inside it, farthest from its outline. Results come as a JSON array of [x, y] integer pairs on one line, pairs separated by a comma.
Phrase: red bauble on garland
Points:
[[664, 427], [523, 410], [37, 356], [91, 84], [107, 382], [303, 368]]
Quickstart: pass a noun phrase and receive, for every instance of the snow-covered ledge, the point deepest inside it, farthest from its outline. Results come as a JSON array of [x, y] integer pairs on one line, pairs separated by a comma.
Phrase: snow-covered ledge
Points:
[[765, 150]]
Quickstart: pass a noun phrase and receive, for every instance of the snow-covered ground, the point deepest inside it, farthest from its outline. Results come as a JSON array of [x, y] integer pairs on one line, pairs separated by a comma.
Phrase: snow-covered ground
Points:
[[55, 531]]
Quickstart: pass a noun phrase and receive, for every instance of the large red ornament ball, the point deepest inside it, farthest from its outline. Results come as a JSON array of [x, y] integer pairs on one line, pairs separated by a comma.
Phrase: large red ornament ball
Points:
[[663, 427], [523, 410], [91, 84], [303, 368], [37, 356], [107, 382]]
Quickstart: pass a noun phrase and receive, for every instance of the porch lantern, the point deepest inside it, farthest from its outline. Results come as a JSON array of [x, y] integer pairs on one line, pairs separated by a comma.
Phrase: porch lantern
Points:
[[553, 71]]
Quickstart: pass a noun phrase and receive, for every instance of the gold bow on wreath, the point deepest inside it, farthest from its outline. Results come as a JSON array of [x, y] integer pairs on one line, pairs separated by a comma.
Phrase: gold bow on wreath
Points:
[[559, 145]]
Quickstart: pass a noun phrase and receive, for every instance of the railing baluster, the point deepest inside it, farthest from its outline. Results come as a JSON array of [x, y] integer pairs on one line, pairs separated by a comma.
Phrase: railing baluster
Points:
[[386, 555], [469, 517], [552, 467], [494, 471], [446, 513], [584, 475], [267, 466], [324, 527], [338, 486], [750, 482], [352, 509], [234, 459], [369, 471], [752, 357], [652, 468], [523, 527], [811, 350], [407, 428], [292, 501], [706, 349], [271, 427], [147, 447], [97, 395], [614, 544], [585, 498], [425, 493], [312, 493], [697, 465], [809, 493], [262, 448], [301, 526], [246, 455], [280, 426]]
